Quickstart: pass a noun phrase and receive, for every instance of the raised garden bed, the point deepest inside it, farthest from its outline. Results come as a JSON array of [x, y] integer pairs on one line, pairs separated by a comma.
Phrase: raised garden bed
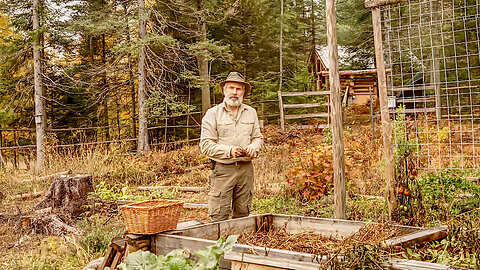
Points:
[[338, 232]]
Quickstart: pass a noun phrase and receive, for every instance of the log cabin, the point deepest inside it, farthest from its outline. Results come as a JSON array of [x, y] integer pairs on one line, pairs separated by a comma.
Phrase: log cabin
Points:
[[357, 85]]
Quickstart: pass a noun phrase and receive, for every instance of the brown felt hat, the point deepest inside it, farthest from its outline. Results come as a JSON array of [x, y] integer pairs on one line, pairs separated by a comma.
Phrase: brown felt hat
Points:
[[237, 77]]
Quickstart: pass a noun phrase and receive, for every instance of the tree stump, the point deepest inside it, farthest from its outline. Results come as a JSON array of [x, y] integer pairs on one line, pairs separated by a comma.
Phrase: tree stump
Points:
[[68, 194]]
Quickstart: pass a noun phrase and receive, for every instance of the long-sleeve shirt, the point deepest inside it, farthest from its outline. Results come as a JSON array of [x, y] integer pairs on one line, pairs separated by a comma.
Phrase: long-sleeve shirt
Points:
[[221, 131]]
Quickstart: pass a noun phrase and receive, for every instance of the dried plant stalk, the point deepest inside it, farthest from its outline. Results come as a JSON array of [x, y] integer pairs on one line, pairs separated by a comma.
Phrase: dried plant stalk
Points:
[[315, 243]]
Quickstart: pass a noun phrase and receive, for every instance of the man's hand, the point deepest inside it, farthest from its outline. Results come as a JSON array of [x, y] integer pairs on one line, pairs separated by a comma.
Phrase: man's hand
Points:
[[237, 151], [250, 151]]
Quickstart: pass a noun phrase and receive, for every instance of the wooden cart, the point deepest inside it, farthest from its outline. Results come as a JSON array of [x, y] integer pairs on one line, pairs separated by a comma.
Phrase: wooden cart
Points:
[[259, 258]]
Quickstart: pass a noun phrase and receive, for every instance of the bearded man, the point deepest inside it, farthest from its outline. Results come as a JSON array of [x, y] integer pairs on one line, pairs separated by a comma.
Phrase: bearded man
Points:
[[231, 138]]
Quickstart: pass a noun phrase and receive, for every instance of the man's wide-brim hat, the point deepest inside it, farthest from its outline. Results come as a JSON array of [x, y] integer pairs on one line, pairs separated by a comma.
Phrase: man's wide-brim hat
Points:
[[236, 77]]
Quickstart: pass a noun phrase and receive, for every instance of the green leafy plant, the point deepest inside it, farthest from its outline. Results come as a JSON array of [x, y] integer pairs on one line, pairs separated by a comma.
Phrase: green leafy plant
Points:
[[361, 256], [459, 248], [409, 207], [96, 241], [178, 259], [447, 194], [112, 192]]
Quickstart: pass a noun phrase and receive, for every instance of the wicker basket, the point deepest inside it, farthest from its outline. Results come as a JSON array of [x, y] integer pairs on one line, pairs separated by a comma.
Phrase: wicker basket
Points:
[[153, 216]]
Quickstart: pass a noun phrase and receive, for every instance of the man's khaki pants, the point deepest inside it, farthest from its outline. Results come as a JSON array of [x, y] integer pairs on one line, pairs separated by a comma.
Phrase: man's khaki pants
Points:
[[231, 186]]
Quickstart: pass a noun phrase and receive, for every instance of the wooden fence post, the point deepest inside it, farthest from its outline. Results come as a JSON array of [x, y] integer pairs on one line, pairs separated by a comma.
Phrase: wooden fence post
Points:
[[2, 161], [386, 123], [337, 125]]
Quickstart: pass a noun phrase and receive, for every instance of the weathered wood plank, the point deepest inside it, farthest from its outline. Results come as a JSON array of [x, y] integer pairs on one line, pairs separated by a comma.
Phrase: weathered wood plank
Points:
[[413, 87], [306, 105], [372, 71], [255, 262], [195, 206], [404, 264], [417, 110], [304, 94], [108, 258], [336, 111], [213, 231], [297, 127], [376, 3], [337, 228], [307, 115], [416, 238], [415, 99], [29, 195], [184, 189], [165, 243], [189, 224], [387, 128], [250, 266], [238, 226]]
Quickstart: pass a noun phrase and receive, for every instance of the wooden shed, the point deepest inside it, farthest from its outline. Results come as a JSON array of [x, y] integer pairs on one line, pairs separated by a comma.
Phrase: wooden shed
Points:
[[358, 85]]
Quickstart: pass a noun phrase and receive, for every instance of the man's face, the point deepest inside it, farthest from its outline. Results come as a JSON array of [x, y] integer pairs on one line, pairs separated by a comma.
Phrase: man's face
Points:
[[234, 92]]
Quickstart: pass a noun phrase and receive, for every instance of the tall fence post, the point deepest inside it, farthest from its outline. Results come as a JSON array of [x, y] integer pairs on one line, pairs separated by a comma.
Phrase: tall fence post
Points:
[[337, 123], [2, 161], [386, 123]]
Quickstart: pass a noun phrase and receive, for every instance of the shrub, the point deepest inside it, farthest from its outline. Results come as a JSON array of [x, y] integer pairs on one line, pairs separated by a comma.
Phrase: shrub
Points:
[[312, 177], [96, 241]]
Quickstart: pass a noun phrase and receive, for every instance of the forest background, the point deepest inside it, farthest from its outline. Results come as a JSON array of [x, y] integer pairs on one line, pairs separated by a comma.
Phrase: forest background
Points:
[[89, 52]]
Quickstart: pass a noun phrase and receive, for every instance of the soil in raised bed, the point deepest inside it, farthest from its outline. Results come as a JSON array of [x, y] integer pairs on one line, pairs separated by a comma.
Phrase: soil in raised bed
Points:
[[315, 243]]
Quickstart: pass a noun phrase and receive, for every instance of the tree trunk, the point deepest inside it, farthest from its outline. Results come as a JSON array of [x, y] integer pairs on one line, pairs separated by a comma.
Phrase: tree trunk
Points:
[[50, 224], [142, 109], [202, 62], [105, 90], [38, 86], [131, 83], [280, 101], [68, 194], [312, 14]]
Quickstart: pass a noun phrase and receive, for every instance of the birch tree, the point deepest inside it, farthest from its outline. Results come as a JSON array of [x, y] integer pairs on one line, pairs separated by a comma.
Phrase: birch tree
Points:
[[38, 86], [142, 110]]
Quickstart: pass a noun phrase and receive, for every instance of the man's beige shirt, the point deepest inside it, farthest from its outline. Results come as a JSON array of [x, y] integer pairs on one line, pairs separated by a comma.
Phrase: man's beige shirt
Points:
[[221, 131]]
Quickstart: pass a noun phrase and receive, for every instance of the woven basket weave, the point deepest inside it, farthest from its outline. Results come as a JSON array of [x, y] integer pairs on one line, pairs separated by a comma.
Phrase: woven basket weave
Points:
[[153, 216]]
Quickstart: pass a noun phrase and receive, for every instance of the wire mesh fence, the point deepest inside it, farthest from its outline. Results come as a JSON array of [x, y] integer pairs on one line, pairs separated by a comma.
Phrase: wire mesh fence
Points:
[[432, 48]]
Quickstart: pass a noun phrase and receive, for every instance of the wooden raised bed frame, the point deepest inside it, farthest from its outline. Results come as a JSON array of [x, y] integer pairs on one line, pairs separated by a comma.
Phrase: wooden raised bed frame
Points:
[[259, 258]]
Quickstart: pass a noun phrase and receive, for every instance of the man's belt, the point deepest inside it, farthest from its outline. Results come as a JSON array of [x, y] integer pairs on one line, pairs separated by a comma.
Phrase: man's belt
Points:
[[213, 163]]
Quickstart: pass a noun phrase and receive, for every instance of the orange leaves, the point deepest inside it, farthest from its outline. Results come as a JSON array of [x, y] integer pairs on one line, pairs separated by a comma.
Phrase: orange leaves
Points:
[[312, 176]]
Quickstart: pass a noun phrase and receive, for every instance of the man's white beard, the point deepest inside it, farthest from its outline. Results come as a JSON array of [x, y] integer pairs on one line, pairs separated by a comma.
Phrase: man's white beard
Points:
[[233, 102]]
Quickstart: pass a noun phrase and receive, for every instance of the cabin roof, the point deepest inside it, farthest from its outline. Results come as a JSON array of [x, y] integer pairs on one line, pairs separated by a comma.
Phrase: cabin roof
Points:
[[322, 54]]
